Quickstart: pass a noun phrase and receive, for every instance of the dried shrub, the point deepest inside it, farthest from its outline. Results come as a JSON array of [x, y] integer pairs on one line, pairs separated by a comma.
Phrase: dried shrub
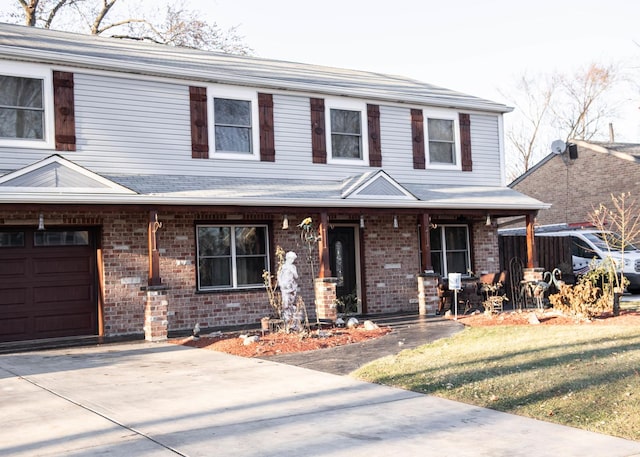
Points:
[[582, 300]]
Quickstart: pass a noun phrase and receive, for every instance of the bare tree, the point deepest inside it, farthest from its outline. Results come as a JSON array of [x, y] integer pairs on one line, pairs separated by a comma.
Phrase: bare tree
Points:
[[552, 106], [622, 219], [584, 104], [168, 23], [532, 102]]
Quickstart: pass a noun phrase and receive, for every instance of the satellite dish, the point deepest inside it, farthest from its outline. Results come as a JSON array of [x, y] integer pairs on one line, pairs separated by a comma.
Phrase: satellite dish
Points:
[[558, 147]]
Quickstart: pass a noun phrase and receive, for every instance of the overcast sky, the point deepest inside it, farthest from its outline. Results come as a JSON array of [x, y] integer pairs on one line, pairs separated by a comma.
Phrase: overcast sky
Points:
[[471, 46]]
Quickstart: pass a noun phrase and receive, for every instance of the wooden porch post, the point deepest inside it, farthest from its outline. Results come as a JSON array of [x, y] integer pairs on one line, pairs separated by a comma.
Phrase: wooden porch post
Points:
[[154, 255], [425, 244], [532, 257], [323, 247]]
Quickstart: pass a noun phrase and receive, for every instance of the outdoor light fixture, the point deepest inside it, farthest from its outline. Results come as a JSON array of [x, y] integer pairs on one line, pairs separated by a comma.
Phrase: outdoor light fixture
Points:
[[488, 222], [41, 222], [361, 221], [285, 222], [395, 221]]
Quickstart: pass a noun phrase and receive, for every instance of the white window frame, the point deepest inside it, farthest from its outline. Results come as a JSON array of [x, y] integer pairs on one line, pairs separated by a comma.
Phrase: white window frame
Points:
[[241, 94], [448, 116], [347, 105], [27, 70], [233, 255]]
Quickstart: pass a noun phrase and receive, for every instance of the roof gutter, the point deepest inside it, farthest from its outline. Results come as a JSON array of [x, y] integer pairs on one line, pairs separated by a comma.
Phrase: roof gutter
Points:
[[111, 199]]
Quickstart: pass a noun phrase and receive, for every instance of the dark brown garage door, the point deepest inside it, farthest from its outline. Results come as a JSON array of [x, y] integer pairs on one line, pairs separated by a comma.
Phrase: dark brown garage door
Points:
[[47, 284]]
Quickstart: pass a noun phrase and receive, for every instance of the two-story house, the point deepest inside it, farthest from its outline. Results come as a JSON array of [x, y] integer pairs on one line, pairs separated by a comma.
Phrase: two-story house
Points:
[[145, 188]]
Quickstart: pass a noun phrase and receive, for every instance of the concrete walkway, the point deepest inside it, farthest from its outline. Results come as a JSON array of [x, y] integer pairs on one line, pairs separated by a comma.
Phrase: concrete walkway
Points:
[[409, 331], [148, 400]]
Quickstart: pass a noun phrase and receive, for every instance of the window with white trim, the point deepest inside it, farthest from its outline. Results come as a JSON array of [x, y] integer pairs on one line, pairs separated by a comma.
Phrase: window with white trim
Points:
[[443, 139], [231, 256], [26, 106], [347, 132], [235, 132], [450, 251]]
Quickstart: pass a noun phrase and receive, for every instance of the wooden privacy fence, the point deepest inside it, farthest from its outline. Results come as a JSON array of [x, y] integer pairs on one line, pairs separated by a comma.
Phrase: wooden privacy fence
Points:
[[553, 251]]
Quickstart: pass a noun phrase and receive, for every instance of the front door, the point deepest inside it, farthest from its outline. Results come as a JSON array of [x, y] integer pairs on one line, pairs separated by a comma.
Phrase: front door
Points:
[[343, 262]]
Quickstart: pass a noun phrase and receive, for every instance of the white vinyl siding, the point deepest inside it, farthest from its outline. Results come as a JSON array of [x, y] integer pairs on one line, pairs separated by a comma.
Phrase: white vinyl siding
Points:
[[292, 132], [485, 145], [124, 125], [134, 126]]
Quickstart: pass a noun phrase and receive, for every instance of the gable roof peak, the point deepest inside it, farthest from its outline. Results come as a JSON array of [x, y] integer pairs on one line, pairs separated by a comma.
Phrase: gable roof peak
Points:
[[56, 172]]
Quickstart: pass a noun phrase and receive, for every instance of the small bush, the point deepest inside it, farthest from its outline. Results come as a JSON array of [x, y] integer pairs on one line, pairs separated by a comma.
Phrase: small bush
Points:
[[582, 300]]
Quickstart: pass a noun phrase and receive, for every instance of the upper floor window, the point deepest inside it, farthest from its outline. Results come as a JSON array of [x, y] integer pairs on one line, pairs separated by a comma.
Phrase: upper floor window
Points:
[[231, 256], [26, 105], [235, 123], [21, 108], [442, 144], [443, 140], [347, 130], [346, 134], [232, 125]]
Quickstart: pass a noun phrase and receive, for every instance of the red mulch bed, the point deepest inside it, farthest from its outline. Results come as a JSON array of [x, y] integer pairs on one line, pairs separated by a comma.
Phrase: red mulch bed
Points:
[[281, 343]]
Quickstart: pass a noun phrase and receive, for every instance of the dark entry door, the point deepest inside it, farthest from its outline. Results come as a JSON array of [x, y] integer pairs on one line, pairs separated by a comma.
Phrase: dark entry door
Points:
[[342, 261]]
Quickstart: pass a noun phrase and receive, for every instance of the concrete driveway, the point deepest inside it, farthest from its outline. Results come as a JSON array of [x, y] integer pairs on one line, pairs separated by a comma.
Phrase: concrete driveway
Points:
[[157, 399]]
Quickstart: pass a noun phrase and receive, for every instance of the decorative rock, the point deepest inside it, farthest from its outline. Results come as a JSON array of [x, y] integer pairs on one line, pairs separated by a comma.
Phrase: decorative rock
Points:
[[339, 322], [369, 325], [352, 322], [533, 319], [251, 339]]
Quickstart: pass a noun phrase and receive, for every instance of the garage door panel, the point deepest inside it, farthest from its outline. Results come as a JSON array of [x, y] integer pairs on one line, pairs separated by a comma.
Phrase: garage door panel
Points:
[[12, 268], [12, 296], [61, 294], [59, 265], [13, 328], [63, 324]]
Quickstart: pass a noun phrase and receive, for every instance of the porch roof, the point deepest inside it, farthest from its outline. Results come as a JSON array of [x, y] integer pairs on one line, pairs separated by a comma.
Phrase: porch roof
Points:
[[254, 192]]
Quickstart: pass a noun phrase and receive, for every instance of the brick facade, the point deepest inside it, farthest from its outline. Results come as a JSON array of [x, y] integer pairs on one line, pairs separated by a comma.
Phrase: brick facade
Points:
[[390, 260], [576, 187]]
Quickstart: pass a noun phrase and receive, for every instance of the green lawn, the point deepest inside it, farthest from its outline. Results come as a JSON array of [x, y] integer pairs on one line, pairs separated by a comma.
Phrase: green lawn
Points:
[[585, 376]]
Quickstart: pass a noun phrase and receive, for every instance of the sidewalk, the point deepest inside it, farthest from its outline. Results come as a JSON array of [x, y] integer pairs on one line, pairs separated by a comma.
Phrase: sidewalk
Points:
[[158, 399]]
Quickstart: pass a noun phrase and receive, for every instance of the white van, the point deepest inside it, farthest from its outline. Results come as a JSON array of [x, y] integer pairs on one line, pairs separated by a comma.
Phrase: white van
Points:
[[589, 244]]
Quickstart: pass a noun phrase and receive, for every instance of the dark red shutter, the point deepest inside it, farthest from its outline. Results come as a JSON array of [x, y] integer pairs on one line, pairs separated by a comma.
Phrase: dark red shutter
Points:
[[373, 125], [64, 111], [267, 141], [465, 142], [199, 125], [318, 137], [417, 135]]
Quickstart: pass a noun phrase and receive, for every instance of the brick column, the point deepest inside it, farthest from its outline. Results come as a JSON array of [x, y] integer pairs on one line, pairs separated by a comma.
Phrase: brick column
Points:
[[427, 293], [156, 324], [532, 274], [325, 290]]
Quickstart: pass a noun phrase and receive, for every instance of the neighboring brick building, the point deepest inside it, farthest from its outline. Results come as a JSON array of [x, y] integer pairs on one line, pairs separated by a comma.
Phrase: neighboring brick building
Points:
[[574, 187]]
